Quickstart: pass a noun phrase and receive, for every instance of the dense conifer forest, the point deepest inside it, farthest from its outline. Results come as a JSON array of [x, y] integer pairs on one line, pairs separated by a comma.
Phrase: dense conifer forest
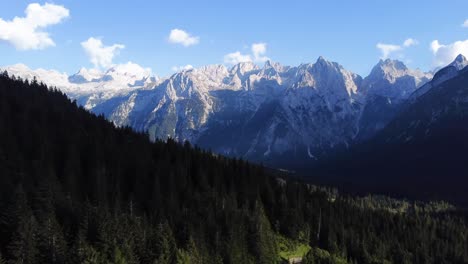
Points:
[[76, 189]]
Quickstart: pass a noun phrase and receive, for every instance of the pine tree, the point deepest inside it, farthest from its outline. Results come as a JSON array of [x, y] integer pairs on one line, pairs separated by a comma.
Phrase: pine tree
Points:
[[119, 257], [23, 245], [92, 256], [165, 244], [183, 257], [196, 256], [262, 238], [78, 249], [51, 241]]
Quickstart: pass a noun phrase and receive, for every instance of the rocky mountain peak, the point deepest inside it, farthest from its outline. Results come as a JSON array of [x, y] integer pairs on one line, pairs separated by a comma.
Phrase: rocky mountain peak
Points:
[[460, 62]]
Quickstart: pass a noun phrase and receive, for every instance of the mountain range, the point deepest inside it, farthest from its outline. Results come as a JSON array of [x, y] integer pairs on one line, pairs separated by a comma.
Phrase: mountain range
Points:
[[278, 115]]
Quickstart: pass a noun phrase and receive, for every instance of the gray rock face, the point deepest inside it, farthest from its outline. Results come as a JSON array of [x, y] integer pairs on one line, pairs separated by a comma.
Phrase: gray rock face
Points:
[[268, 114], [388, 86]]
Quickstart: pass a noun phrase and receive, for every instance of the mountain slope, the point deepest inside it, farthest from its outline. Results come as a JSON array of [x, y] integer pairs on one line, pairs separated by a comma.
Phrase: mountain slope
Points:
[[420, 153]]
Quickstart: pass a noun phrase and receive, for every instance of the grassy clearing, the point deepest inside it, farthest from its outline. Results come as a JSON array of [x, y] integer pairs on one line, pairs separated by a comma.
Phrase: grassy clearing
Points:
[[291, 249]]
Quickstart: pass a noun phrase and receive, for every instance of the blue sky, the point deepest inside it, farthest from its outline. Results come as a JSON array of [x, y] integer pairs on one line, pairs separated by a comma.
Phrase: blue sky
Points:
[[291, 32]]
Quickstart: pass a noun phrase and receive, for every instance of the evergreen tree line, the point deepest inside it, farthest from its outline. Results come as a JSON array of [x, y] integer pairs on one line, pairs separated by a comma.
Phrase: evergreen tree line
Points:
[[76, 189]]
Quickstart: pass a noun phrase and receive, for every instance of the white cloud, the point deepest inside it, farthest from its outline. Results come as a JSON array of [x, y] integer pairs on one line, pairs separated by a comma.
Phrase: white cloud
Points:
[[27, 33], [236, 57], [100, 55], [388, 50], [258, 55], [182, 68], [259, 50], [410, 42], [465, 24], [179, 36], [445, 54]]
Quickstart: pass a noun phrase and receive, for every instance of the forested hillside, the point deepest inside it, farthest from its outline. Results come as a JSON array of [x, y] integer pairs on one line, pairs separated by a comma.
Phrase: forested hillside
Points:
[[76, 189]]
